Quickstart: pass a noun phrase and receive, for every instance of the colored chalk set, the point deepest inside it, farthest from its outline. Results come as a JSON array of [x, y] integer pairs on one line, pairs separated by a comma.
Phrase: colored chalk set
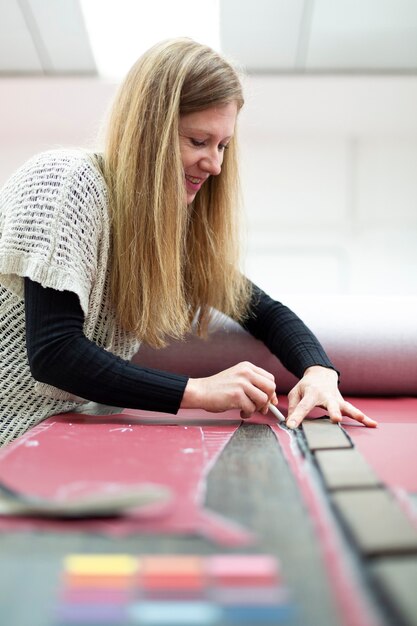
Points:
[[168, 590]]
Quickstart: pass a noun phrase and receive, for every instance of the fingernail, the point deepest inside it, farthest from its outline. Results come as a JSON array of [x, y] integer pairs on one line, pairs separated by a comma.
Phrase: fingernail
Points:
[[292, 424]]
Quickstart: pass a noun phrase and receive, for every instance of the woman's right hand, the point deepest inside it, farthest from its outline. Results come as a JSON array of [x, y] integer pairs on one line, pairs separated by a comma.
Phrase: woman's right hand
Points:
[[244, 386]]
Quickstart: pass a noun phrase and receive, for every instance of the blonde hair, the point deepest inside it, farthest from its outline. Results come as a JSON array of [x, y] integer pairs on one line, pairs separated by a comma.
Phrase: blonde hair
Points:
[[171, 263]]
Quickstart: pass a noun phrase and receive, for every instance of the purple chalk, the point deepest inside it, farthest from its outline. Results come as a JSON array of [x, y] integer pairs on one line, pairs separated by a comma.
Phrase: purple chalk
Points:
[[85, 613]]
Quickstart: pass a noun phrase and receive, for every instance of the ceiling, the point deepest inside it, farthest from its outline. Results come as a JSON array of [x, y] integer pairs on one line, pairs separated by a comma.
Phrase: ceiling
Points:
[[321, 35], [49, 37], [44, 37]]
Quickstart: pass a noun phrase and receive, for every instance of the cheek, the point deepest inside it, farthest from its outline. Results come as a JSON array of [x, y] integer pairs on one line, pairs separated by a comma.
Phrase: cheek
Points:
[[186, 157]]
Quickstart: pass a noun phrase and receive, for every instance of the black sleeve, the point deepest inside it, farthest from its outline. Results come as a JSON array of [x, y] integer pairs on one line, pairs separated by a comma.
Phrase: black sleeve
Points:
[[284, 334], [61, 355]]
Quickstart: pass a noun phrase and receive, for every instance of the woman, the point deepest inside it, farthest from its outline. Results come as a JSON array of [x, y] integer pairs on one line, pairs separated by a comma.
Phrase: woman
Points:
[[101, 252]]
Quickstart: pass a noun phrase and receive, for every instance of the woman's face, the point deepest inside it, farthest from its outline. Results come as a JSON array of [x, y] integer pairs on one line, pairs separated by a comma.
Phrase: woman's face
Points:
[[204, 137]]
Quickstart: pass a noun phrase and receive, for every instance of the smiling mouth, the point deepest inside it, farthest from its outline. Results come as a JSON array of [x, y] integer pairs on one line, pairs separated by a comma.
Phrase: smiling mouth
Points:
[[193, 179]]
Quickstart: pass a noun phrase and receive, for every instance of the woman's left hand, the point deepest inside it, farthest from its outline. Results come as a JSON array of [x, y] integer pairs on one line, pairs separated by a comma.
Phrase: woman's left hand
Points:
[[318, 387]]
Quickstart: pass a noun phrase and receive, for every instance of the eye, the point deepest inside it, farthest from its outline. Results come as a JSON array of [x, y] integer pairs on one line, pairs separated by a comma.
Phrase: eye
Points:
[[223, 146], [198, 144]]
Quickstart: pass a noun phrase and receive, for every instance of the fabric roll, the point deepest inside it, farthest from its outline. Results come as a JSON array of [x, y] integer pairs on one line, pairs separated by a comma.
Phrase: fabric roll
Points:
[[372, 341]]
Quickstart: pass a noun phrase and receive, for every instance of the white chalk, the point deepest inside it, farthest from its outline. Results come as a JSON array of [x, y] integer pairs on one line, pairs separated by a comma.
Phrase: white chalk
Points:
[[277, 413]]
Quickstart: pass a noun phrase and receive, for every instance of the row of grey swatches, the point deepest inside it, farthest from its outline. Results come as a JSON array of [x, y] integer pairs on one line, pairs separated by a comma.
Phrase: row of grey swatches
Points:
[[372, 517]]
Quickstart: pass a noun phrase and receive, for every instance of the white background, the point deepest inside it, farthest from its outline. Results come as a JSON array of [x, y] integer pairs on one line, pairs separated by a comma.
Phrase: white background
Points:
[[329, 171]]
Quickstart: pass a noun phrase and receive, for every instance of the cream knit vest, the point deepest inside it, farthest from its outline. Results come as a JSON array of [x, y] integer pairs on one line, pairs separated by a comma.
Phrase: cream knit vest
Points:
[[54, 229]]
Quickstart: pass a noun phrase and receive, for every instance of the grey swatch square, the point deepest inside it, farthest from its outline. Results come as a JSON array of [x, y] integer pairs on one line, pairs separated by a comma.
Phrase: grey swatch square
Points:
[[343, 468], [396, 579], [375, 521], [322, 434]]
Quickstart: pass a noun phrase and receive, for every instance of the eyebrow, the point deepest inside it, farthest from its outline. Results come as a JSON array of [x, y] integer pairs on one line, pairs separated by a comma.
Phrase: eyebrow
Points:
[[191, 130]]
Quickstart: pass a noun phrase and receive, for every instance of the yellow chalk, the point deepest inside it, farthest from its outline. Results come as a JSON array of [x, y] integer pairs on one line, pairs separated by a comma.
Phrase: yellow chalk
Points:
[[101, 564]]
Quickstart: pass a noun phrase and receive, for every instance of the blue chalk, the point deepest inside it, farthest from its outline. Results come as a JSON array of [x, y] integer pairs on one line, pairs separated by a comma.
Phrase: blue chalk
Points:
[[257, 614], [171, 613]]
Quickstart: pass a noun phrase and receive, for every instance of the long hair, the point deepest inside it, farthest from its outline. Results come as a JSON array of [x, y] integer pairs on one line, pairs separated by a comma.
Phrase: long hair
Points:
[[171, 263]]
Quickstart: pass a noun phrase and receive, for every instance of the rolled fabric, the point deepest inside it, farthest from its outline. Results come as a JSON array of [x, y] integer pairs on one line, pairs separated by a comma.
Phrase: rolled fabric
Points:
[[371, 340]]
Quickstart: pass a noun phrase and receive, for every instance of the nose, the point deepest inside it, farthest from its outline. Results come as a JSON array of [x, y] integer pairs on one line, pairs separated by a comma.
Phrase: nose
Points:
[[212, 163]]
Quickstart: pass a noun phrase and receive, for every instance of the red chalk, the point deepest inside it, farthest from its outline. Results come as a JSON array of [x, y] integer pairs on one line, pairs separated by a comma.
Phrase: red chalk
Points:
[[98, 581], [172, 572]]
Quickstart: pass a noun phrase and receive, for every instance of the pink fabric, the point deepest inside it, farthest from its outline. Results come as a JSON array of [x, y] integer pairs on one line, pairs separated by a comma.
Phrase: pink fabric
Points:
[[390, 449], [71, 455], [375, 355]]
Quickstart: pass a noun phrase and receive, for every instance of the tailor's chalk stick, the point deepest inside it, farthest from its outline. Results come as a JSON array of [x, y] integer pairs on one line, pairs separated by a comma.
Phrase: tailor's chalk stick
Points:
[[276, 412]]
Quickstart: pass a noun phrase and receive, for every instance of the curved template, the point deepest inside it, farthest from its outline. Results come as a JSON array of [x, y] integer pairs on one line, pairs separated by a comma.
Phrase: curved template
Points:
[[73, 455]]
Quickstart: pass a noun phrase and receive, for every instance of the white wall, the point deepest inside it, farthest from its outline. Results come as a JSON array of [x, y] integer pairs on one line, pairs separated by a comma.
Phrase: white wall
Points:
[[330, 183], [329, 172], [43, 113]]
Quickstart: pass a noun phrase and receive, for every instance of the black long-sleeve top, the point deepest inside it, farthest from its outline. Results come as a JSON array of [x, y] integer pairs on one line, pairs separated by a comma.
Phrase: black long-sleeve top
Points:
[[61, 355]]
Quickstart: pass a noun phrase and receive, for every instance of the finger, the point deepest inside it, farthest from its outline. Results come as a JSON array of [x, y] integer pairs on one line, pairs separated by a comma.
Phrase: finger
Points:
[[258, 401], [270, 406], [262, 372], [294, 398], [273, 400], [247, 407], [264, 409], [302, 409], [351, 411], [333, 409], [256, 376], [250, 394], [300, 403], [277, 413], [267, 385], [245, 414], [260, 391]]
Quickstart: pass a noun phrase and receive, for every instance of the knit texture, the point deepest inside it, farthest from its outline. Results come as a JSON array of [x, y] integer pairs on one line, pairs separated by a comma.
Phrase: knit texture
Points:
[[55, 230]]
